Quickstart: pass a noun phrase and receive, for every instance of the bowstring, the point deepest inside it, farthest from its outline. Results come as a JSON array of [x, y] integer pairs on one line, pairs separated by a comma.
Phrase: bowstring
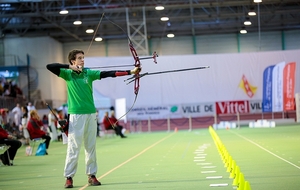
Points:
[[95, 33], [130, 42], [128, 110]]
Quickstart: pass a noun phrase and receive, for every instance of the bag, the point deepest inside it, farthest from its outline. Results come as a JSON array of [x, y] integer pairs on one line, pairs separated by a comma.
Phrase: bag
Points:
[[41, 150], [28, 150]]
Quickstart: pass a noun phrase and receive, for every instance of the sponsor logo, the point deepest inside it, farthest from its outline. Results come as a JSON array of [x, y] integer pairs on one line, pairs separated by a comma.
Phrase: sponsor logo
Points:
[[247, 87], [232, 107]]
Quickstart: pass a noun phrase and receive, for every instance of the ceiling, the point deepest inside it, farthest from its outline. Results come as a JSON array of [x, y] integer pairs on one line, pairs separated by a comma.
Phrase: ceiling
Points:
[[186, 18]]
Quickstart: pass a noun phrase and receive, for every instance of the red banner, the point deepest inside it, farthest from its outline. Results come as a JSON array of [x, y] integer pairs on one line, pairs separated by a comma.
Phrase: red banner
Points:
[[289, 86], [232, 107]]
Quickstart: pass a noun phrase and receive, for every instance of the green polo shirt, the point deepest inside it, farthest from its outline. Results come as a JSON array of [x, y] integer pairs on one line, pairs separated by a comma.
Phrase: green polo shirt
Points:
[[80, 90]]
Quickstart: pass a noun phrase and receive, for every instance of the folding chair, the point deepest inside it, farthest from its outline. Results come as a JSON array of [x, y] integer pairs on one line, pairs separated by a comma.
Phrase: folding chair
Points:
[[3, 148], [109, 133], [34, 141]]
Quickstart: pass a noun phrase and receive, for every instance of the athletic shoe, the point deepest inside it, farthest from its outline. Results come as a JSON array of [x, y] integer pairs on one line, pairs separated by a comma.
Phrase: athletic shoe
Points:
[[69, 183], [93, 181]]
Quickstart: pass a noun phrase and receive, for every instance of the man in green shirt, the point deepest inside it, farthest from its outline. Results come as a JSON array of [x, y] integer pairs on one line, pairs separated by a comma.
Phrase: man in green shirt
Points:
[[82, 112]]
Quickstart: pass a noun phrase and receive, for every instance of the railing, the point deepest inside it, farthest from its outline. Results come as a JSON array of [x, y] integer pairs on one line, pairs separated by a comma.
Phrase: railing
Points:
[[10, 102], [204, 122]]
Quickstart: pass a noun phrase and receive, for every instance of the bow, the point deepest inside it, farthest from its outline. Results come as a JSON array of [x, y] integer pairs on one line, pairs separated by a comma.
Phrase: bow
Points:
[[136, 77], [137, 63]]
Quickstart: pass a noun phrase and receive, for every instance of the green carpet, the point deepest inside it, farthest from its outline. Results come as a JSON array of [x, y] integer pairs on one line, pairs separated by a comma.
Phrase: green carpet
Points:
[[269, 158]]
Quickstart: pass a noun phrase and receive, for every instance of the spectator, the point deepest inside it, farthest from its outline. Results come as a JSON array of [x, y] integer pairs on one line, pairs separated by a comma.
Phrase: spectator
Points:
[[13, 144], [23, 125], [30, 107], [109, 125], [115, 122], [34, 128], [52, 123], [17, 114]]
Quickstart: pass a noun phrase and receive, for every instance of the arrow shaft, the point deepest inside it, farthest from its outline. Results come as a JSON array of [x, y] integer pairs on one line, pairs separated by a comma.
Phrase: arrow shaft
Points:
[[178, 70], [131, 79]]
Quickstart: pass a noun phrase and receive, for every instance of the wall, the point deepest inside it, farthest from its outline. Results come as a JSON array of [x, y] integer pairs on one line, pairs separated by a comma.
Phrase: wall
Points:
[[44, 50]]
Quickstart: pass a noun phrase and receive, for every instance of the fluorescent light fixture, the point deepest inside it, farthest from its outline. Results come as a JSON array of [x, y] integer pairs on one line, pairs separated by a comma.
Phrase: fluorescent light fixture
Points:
[[89, 31], [251, 13], [164, 18], [243, 31], [170, 35], [77, 22], [159, 8], [63, 12], [98, 39], [257, 1], [247, 22]]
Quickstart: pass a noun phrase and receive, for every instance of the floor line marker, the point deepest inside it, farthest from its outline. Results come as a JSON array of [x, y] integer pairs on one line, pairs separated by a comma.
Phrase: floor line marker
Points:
[[133, 157], [267, 150], [219, 185], [206, 172], [214, 177]]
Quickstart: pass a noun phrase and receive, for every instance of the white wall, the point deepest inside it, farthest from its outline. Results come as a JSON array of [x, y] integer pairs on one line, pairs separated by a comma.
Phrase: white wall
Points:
[[44, 50]]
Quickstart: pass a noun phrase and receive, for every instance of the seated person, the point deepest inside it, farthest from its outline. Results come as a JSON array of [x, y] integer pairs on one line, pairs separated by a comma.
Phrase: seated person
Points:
[[108, 125], [10, 153], [34, 128], [115, 121]]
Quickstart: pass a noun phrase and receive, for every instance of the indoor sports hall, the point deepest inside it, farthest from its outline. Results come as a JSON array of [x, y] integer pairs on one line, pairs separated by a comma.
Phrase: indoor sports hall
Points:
[[204, 94]]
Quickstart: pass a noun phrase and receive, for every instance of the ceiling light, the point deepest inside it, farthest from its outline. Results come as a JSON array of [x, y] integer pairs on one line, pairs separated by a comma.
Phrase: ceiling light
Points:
[[170, 35], [77, 22], [98, 39], [63, 12], [159, 8], [257, 1], [89, 31], [164, 18], [247, 22], [251, 13], [243, 31]]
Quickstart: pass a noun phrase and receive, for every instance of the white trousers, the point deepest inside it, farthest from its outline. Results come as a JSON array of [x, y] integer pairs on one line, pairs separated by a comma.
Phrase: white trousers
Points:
[[82, 128]]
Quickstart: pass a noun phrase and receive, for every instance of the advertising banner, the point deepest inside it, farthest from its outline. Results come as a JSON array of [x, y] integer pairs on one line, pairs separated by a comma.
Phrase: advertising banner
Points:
[[196, 110], [267, 89], [277, 87], [289, 86]]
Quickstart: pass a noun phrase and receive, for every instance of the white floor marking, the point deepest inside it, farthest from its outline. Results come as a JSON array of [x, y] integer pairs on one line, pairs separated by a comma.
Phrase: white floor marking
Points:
[[199, 160], [201, 154], [133, 157], [199, 157], [206, 172], [214, 177], [205, 167], [267, 151], [219, 185], [203, 163]]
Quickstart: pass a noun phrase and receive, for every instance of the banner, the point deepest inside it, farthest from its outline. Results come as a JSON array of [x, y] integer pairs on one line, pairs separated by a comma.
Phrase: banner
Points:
[[277, 87], [289, 86], [232, 107], [297, 100], [255, 106], [196, 110], [267, 89]]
